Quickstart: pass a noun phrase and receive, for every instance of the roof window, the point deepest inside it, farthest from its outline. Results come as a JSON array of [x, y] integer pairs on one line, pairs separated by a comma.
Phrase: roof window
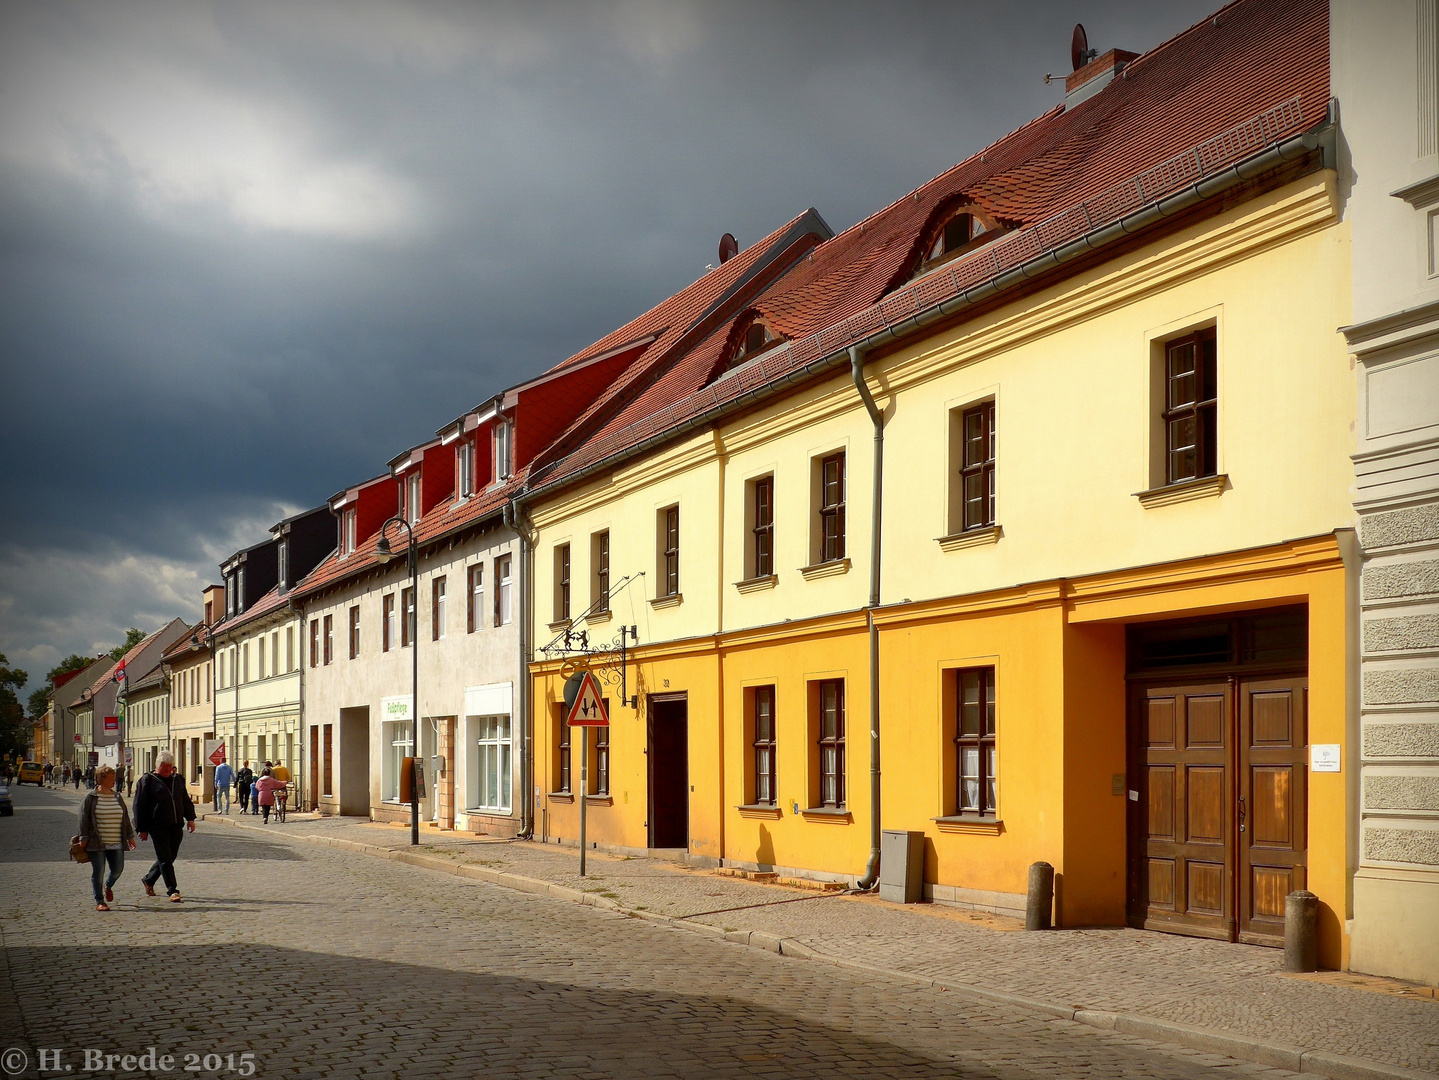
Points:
[[758, 337]]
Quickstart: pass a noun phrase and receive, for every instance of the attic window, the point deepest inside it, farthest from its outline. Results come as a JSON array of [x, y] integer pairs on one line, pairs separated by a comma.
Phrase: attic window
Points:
[[758, 338], [958, 231]]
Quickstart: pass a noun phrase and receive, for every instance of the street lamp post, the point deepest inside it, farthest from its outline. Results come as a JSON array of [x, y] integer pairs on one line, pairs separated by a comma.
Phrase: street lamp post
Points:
[[384, 554]]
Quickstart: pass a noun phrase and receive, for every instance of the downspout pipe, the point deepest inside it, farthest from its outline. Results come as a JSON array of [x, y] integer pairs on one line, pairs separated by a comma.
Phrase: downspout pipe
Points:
[[513, 516], [876, 529]]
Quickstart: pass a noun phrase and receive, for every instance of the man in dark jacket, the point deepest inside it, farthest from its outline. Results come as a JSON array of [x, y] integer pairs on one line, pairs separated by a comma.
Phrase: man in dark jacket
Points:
[[163, 811]]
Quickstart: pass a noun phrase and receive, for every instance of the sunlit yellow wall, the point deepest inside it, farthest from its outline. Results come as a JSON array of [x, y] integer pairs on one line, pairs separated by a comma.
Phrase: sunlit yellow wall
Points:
[[1070, 370]]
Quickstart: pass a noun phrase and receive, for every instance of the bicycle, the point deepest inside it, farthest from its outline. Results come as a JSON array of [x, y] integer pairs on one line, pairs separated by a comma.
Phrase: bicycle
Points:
[[282, 799]]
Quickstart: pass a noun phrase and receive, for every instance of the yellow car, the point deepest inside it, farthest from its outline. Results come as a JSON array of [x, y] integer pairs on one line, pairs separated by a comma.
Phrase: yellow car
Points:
[[31, 772]]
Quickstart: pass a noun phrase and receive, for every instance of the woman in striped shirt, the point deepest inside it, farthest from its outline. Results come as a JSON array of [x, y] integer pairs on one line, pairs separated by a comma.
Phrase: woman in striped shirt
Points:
[[106, 830]]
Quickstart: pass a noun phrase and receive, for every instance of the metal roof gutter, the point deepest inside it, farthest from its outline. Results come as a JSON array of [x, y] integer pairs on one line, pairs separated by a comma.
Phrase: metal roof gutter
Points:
[[1320, 137]]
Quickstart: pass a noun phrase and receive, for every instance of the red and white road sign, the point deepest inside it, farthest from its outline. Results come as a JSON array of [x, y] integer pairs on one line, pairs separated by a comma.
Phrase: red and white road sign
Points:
[[589, 708]]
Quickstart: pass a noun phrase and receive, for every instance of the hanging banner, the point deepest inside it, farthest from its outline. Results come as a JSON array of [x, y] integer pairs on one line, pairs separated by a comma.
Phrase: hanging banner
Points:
[[215, 751]]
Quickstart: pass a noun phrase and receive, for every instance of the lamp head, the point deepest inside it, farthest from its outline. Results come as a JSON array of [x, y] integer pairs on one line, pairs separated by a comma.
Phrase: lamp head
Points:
[[383, 554]]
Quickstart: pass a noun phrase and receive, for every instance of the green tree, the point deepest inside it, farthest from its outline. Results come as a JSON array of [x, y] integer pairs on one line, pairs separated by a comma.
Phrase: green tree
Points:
[[133, 637], [13, 734], [39, 699]]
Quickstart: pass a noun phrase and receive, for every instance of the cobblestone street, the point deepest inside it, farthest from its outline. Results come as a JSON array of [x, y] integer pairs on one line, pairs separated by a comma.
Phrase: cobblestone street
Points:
[[328, 963]]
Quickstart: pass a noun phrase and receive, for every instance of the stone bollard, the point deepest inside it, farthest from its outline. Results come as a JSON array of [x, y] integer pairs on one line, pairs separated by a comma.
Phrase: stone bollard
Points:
[[1301, 931], [1040, 903]]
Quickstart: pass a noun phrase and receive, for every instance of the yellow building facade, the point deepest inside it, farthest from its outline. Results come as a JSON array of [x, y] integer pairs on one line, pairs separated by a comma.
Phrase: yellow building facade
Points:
[[1079, 619]]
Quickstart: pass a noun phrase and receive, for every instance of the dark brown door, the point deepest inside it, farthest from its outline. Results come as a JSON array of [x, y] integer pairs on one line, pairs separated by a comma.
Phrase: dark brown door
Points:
[[1273, 803], [669, 773], [1181, 809], [314, 792]]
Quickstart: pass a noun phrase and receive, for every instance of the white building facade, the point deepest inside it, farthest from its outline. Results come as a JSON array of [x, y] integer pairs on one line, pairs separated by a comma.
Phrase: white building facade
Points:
[[1385, 72]]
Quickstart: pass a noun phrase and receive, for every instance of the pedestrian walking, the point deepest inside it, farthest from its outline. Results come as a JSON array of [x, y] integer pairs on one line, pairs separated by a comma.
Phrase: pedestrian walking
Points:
[[224, 777], [163, 811], [243, 779], [119, 777], [90, 777], [265, 789], [48, 770], [79, 775], [107, 833]]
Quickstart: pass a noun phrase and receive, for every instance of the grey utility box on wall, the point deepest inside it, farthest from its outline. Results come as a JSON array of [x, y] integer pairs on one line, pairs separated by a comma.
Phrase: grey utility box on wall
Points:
[[901, 867]]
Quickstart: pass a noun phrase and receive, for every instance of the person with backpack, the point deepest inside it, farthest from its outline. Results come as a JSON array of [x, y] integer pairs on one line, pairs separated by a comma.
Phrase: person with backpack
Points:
[[107, 833], [243, 779], [163, 811]]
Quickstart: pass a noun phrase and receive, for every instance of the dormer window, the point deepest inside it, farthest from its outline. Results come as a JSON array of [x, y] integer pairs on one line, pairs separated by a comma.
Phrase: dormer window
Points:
[[282, 555], [412, 497], [465, 469], [347, 531], [962, 231], [758, 337], [502, 450]]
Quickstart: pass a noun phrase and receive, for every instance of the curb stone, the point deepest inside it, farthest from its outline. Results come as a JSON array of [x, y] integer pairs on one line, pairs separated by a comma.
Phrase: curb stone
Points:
[[1296, 1059]]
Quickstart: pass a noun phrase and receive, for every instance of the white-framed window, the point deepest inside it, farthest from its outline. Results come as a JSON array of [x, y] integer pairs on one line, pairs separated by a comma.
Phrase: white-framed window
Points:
[[503, 587], [437, 609], [502, 450], [347, 531], [412, 497], [260, 658], [395, 738], [465, 469], [490, 780], [475, 610]]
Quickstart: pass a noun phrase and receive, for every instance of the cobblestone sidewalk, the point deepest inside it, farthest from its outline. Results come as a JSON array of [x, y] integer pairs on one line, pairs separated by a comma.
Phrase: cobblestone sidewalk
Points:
[[1237, 990]]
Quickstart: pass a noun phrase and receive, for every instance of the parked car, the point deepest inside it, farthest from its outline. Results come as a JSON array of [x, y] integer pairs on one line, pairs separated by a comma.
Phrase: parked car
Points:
[[31, 772], [7, 806]]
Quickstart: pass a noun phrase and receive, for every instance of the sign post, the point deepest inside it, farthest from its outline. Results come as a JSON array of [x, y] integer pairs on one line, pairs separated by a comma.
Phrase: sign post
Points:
[[587, 711]]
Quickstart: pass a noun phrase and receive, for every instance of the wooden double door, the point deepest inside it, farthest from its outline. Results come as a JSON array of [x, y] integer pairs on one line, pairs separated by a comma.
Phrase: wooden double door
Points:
[[1217, 805]]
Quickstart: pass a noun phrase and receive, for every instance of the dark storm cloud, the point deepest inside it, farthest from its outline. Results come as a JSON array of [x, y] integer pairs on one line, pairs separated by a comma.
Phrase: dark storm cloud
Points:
[[249, 252]]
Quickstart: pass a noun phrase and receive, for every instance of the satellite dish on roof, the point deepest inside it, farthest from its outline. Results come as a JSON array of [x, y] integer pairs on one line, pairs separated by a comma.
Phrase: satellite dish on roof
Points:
[[1079, 54], [729, 247]]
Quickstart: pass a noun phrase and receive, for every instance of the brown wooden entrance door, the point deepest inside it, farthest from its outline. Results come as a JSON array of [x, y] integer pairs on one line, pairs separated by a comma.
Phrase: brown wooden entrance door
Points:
[[1181, 846], [1273, 803], [668, 754], [1218, 805]]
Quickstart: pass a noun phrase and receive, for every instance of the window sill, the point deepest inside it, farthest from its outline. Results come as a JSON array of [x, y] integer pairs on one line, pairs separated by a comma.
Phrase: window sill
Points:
[[487, 811], [969, 825], [832, 568], [559, 624], [757, 584], [971, 539], [600, 800], [1206, 487], [659, 603], [762, 811], [834, 815], [596, 617], [561, 796]]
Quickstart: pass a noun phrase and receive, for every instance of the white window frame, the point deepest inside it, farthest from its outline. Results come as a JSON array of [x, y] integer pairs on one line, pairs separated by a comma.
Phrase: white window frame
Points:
[[395, 740], [491, 743]]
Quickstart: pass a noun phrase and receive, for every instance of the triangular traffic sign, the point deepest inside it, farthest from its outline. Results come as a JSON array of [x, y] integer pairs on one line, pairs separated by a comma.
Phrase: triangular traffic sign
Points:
[[589, 708]]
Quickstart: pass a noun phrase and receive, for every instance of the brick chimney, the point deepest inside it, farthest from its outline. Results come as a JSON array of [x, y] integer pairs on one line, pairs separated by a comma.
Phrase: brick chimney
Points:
[[1094, 76]]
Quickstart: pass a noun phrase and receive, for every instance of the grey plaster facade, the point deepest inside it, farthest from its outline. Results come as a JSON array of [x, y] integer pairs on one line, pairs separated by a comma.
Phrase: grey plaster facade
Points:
[[1385, 71]]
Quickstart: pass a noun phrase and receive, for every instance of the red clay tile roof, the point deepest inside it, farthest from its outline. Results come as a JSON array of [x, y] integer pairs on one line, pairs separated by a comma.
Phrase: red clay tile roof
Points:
[[1215, 94], [135, 651], [444, 520], [655, 334], [260, 608], [181, 646]]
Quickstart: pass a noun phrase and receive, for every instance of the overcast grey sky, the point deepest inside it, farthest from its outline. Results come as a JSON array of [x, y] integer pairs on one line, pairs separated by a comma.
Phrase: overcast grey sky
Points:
[[249, 251]]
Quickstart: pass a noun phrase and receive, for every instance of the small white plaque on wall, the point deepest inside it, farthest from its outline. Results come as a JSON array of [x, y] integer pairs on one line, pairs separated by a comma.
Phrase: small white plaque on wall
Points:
[[1324, 757]]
